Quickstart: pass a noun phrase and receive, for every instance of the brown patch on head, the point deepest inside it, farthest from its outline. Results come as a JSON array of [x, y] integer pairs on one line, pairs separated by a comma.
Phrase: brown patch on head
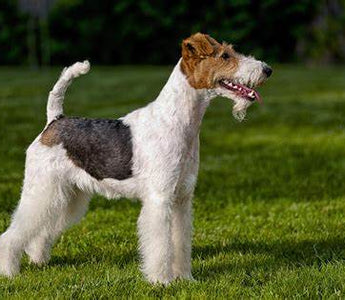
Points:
[[50, 136], [205, 61]]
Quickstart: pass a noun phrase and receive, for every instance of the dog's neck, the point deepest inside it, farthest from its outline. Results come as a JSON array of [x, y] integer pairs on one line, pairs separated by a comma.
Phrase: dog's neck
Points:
[[182, 103]]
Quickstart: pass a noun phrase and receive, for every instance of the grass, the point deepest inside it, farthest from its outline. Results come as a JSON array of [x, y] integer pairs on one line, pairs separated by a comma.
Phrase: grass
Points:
[[269, 205]]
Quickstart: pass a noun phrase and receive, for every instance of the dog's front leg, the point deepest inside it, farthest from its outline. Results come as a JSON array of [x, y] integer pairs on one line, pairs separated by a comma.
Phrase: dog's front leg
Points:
[[154, 227], [182, 238]]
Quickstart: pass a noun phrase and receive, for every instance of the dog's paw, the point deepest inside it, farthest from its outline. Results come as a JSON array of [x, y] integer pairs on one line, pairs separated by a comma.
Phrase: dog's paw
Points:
[[38, 258], [160, 279], [8, 269], [186, 276]]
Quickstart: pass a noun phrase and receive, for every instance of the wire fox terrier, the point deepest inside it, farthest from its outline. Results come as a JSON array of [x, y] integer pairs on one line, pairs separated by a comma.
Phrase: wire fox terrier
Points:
[[151, 154]]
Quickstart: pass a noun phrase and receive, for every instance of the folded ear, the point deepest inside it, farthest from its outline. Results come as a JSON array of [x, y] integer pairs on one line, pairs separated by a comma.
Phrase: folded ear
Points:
[[199, 45]]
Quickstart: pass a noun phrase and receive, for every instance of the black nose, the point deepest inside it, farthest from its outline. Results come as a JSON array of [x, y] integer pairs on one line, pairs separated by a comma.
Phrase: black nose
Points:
[[268, 71]]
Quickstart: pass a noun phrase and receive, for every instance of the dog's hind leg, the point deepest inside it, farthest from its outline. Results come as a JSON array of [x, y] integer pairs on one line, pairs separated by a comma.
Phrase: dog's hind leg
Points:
[[35, 210], [43, 211], [39, 247]]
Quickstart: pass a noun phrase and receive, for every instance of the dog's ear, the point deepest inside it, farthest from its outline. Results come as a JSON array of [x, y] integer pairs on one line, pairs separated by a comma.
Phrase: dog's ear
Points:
[[199, 46]]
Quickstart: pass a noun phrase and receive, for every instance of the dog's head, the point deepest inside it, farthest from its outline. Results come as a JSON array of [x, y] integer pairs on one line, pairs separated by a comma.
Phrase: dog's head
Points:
[[210, 65]]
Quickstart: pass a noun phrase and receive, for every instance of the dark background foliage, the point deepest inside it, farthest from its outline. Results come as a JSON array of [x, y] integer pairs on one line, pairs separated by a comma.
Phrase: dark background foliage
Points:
[[142, 31]]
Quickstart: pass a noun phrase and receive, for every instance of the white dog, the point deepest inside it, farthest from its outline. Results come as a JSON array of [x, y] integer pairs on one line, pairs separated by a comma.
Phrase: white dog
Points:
[[151, 154]]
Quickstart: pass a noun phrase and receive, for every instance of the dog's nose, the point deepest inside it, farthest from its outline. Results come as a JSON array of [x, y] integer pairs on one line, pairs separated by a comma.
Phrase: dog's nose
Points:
[[267, 70]]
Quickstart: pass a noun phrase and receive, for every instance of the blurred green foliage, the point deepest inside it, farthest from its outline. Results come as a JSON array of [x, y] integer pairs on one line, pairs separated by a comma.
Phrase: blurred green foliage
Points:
[[143, 31], [12, 34], [325, 38]]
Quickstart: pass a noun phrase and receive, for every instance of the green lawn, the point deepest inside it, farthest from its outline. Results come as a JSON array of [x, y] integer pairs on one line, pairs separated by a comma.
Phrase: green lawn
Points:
[[269, 206]]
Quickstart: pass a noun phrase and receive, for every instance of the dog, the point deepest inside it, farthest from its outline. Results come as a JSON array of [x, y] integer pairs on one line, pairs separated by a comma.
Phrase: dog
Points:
[[151, 154]]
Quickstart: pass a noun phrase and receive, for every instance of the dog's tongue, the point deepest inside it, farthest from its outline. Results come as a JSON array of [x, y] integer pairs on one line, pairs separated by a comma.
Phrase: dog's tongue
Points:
[[248, 92], [258, 97], [242, 90]]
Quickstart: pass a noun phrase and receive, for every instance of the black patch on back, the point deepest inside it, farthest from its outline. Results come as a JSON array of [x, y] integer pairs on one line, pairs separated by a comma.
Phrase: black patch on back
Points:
[[101, 147]]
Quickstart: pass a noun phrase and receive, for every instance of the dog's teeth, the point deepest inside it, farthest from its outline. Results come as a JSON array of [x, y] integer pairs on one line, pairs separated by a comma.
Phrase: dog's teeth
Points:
[[251, 94]]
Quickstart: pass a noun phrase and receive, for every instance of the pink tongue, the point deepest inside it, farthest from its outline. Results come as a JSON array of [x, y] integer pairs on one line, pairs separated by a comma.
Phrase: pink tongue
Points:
[[258, 97]]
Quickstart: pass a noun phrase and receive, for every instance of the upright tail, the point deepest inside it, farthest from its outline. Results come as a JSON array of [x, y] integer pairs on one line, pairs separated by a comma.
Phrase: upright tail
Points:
[[57, 94]]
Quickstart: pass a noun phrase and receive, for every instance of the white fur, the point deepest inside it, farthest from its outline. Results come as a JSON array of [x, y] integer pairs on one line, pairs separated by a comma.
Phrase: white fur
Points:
[[249, 73], [165, 137], [57, 94]]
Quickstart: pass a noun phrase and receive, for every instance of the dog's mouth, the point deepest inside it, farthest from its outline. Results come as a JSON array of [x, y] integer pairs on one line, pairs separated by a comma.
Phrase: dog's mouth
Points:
[[241, 90]]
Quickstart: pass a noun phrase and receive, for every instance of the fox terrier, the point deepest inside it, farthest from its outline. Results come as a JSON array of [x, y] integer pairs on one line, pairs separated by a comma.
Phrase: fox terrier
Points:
[[151, 154]]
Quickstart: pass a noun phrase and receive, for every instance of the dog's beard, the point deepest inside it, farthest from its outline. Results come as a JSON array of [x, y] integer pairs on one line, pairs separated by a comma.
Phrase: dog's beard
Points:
[[239, 110]]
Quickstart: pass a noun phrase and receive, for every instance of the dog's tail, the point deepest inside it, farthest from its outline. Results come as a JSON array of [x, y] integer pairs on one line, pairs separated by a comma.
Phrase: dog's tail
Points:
[[57, 94]]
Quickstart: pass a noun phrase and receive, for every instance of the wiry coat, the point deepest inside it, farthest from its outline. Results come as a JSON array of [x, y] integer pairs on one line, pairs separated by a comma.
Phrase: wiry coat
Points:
[[157, 161]]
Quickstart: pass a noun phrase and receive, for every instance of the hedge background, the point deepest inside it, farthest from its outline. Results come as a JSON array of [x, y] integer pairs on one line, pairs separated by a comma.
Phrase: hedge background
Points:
[[150, 32]]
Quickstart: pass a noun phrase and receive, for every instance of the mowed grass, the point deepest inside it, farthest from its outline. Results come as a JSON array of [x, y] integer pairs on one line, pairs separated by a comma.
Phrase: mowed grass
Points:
[[268, 209]]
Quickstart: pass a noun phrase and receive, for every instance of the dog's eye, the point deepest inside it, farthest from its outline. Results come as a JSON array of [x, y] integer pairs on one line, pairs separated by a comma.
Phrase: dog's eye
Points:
[[225, 55]]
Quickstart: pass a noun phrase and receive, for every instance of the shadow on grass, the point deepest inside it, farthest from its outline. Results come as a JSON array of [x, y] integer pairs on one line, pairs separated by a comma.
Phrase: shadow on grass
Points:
[[263, 256], [105, 257], [270, 256]]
